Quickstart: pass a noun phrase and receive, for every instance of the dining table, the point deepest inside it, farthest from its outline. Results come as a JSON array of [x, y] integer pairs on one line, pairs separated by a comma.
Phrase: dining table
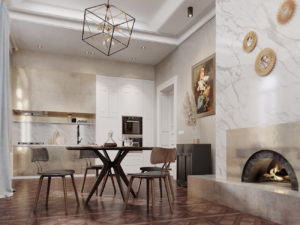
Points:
[[108, 164]]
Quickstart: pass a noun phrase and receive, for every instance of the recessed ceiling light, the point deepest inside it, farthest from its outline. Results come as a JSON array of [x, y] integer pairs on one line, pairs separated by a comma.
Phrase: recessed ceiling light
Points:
[[190, 12]]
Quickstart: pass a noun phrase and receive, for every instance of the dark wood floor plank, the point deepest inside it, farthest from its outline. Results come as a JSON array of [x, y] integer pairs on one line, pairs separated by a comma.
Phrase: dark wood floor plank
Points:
[[108, 209]]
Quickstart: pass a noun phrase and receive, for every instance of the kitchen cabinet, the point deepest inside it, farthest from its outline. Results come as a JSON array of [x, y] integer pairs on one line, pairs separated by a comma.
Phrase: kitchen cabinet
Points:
[[117, 97], [192, 159]]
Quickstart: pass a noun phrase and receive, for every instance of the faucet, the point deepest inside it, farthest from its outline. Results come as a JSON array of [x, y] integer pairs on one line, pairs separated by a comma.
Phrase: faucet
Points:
[[79, 139]]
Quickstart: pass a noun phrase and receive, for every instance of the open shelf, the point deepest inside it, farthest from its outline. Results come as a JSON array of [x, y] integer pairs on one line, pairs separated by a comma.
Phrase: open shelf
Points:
[[52, 113], [45, 122]]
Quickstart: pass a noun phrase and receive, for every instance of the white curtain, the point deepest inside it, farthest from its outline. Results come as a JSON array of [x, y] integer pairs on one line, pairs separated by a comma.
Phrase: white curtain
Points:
[[5, 137]]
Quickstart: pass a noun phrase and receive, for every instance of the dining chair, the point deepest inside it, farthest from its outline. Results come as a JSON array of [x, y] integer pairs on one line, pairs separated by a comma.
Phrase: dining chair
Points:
[[149, 169], [88, 156], [158, 155], [41, 155]]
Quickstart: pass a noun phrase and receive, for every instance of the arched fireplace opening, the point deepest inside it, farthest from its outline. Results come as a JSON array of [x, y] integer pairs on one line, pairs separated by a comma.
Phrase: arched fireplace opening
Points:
[[269, 167]]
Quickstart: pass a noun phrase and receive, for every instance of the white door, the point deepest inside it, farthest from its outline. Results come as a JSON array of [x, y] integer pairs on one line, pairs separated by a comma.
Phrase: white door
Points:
[[167, 128], [167, 120]]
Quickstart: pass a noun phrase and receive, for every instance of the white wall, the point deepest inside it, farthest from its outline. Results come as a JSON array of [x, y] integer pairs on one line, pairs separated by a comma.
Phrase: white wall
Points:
[[245, 99], [179, 63], [54, 82], [84, 65], [117, 97]]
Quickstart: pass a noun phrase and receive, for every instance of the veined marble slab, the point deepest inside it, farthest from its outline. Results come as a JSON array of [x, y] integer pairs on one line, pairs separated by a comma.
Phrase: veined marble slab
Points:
[[243, 98], [44, 132]]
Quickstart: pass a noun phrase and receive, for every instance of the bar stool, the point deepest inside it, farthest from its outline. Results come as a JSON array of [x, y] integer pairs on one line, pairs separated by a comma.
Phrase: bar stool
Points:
[[42, 155]]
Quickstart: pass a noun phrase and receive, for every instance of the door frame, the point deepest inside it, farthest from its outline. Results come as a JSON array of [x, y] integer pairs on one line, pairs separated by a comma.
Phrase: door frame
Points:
[[164, 86]]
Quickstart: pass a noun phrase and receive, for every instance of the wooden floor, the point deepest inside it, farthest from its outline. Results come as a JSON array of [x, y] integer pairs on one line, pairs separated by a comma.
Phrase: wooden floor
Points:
[[108, 209]]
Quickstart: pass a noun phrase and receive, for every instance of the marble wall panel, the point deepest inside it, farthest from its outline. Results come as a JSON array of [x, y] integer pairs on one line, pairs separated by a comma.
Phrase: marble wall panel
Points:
[[44, 132], [245, 99]]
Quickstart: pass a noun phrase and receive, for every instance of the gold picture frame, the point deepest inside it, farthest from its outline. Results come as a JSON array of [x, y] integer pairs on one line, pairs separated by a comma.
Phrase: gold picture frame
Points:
[[204, 86]]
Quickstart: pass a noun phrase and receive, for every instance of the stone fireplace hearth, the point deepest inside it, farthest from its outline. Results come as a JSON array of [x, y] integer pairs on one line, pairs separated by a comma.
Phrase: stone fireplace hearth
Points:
[[257, 156]]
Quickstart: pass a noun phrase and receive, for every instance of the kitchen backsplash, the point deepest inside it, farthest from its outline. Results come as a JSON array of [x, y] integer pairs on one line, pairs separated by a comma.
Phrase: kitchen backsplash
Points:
[[53, 133]]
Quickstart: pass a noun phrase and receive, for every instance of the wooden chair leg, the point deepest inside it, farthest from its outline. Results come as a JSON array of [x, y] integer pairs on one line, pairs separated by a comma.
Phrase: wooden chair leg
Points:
[[160, 187], [38, 193], [113, 182], [128, 193], [168, 193], [48, 190], [84, 178], [147, 193], [138, 191], [104, 183], [75, 190], [171, 187], [152, 194], [65, 192], [97, 174]]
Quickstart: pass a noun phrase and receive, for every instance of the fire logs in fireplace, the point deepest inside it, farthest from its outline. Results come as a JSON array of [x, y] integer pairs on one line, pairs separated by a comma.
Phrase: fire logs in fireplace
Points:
[[276, 174]]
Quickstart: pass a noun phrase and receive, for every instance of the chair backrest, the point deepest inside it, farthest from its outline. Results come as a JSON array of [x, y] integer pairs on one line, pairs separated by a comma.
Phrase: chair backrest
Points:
[[87, 154], [163, 155], [39, 154]]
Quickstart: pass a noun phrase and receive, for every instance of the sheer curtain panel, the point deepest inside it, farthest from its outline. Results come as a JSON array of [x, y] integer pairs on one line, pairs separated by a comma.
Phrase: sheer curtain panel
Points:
[[5, 140]]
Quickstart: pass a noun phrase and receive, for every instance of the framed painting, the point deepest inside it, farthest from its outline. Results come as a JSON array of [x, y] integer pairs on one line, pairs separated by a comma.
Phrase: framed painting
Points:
[[203, 86]]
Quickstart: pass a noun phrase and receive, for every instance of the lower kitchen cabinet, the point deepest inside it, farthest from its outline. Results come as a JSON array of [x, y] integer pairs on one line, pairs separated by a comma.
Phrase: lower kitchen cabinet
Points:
[[192, 159]]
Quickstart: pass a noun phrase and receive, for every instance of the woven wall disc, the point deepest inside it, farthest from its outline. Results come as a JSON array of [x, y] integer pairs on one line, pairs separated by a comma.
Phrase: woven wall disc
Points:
[[265, 62], [286, 11], [250, 41]]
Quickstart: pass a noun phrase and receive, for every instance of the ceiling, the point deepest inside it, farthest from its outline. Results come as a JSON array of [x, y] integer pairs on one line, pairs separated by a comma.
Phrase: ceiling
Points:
[[55, 26]]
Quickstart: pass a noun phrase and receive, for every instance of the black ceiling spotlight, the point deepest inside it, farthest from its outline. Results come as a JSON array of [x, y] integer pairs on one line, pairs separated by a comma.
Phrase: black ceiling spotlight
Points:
[[190, 12], [107, 28]]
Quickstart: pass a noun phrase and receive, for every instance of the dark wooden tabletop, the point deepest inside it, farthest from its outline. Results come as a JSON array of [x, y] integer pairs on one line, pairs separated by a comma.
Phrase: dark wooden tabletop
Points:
[[100, 147]]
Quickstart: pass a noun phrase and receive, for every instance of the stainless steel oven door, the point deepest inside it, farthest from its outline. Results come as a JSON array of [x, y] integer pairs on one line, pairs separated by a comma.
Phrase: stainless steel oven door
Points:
[[132, 127]]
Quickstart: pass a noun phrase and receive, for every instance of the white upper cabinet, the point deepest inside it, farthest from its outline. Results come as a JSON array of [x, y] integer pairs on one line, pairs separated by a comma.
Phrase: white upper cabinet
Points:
[[117, 97]]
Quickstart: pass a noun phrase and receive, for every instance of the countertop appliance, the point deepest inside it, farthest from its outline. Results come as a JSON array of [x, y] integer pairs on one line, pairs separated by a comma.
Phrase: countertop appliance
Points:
[[132, 125]]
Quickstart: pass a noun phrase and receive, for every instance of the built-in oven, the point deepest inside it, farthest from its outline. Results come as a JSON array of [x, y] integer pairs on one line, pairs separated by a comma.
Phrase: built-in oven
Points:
[[132, 125]]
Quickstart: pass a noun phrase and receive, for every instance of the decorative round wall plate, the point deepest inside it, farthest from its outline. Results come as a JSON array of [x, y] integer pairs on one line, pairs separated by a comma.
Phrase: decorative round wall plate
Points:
[[265, 62], [250, 41], [286, 11]]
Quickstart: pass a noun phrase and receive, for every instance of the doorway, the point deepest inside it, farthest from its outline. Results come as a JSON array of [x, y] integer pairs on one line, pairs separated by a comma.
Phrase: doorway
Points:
[[166, 116]]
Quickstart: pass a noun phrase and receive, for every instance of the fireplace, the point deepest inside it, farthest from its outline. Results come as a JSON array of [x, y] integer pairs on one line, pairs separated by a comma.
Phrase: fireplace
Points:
[[269, 167]]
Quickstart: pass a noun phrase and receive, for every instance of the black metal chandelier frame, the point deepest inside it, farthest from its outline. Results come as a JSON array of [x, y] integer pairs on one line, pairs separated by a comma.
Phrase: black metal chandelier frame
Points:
[[106, 24]]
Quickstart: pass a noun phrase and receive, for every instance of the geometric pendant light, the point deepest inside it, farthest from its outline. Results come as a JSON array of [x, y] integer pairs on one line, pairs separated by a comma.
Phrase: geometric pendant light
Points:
[[107, 28]]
